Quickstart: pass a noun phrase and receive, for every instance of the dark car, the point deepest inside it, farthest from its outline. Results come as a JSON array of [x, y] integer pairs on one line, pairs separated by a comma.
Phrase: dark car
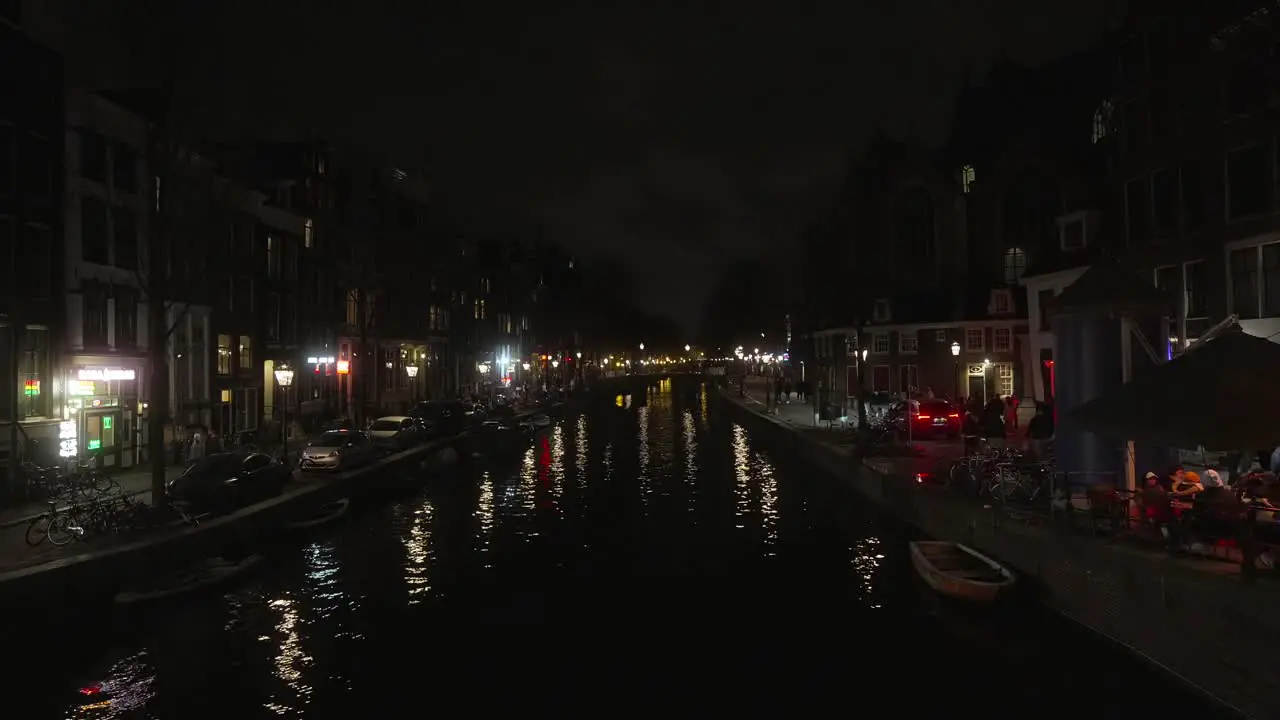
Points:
[[226, 481], [928, 418], [444, 418]]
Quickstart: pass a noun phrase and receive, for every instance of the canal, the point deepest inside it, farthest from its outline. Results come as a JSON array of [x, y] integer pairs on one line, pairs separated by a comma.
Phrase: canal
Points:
[[643, 558]]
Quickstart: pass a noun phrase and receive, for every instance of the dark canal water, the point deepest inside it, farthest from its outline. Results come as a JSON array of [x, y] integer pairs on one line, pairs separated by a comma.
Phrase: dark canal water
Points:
[[655, 558]]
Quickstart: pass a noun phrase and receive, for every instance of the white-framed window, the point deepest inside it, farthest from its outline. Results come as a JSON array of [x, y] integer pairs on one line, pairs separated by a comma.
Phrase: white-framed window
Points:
[[1001, 302], [908, 378], [908, 342], [880, 310], [1253, 280], [1195, 289], [1072, 231], [974, 340], [940, 336], [1004, 378], [1002, 340], [1015, 264], [880, 344]]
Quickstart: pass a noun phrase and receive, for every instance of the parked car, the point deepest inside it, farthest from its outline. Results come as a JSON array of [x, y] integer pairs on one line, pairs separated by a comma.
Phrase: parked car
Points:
[[445, 418], [226, 481], [395, 432], [337, 450], [928, 418]]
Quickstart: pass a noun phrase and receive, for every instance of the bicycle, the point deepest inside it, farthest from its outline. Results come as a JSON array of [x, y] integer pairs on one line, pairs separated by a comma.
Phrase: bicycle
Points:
[[58, 526]]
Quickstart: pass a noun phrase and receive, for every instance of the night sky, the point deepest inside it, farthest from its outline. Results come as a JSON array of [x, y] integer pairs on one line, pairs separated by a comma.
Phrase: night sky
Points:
[[665, 136]]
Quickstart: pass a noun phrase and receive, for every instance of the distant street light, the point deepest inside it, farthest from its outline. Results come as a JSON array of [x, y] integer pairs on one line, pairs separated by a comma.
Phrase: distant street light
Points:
[[641, 346], [955, 371], [579, 354], [686, 347]]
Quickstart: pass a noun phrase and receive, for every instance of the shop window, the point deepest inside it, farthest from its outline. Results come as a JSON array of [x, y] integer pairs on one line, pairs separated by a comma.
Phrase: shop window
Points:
[[33, 373]]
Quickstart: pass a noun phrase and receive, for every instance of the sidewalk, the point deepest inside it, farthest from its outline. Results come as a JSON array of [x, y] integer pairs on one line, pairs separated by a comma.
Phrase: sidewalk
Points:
[[134, 481]]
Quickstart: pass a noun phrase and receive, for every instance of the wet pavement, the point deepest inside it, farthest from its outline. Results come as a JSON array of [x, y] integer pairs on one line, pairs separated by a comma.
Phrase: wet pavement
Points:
[[651, 558]]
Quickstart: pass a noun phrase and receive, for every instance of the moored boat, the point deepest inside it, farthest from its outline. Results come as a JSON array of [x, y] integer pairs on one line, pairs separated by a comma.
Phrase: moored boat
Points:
[[323, 515], [958, 571], [204, 575]]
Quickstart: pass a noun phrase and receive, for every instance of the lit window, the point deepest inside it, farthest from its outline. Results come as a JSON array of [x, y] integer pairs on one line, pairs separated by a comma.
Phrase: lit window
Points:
[[967, 178]]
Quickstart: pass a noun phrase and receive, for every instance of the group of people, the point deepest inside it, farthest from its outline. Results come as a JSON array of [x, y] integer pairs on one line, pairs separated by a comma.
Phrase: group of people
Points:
[[991, 423], [1185, 505]]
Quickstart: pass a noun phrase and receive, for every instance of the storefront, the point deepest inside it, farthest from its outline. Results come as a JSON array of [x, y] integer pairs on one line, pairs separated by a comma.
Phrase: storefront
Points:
[[103, 412]]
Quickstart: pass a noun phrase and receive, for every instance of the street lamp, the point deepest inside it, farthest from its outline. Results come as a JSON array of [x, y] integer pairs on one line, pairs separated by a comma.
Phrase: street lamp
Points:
[[412, 372], [579, 354], [284, 378], [955, 370], [686, 347], [641, 346]]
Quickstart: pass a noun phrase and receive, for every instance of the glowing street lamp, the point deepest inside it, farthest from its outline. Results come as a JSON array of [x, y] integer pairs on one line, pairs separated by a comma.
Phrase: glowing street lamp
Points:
[[284, 378], [579, 354], [955, 371], [687, 348], [641, 346]]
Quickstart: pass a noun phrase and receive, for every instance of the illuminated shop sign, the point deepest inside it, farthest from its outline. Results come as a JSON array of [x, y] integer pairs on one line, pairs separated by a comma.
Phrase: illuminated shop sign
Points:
[[107, 374], [67, 438], [320, 360]]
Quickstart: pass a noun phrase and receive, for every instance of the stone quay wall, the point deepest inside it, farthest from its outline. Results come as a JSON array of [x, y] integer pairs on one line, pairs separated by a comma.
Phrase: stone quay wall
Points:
[[1215, 630]]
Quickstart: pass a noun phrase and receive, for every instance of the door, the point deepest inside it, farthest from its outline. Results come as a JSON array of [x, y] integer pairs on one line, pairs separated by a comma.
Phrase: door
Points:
[[102, 438], [977, 389]]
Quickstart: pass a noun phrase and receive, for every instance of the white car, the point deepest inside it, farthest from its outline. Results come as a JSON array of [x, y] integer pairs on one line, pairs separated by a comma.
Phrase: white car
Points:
[[395, 432], [337, 450]]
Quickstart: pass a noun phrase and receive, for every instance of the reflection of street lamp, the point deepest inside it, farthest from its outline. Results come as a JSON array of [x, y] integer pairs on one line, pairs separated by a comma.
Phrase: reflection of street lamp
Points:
[[284, 378], [955, 370]]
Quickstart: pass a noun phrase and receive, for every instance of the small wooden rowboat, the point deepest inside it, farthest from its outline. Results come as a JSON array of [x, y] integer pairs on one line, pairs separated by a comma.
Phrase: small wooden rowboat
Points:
[[205, 575], [323, 515], [958, 571]]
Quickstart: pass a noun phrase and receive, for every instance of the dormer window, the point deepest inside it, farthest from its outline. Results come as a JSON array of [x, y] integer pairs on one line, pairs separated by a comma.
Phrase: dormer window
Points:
[[1001, 302], [967, 178], [880, 311], [1073, 231]]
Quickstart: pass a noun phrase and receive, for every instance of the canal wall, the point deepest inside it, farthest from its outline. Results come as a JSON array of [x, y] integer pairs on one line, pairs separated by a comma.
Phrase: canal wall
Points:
[[94, 576], [1215, 630]]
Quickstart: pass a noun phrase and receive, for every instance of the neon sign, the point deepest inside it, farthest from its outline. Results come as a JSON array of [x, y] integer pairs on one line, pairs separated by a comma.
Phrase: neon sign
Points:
[[107, 374]]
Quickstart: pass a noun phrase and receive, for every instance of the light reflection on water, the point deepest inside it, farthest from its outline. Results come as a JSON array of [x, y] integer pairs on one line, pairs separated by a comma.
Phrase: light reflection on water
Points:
[[691, 515]]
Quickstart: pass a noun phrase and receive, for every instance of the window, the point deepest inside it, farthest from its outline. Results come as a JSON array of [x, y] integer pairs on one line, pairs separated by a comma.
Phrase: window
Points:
[[246, 404], [94, 246], [33, 257], [224, 354], [1071, 231], [353, 307], [246, 353], [1164, 203], [880, 310], [1015, 264], [1195, 283], [35, 167], [125, 239], [156, 187], [93, 297], [1137, 208], [1002, 340], [1004, 378], [940, 336], [908, 378], [967, 178], [880, 378], [1102, 119], [93, 156], [880, 344], [1001, 302], [478, 310], [271, 317], [126, 335], [33, 373], [1045, 299], [1254, 276], [915, 234], [289, 319], [908, 342], [438, 318], [242, 294], [124, 168], [484, 285], [974, 340], [8, 153], [1248, 182], [273, 256], [308, 233], [1191, 181]]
